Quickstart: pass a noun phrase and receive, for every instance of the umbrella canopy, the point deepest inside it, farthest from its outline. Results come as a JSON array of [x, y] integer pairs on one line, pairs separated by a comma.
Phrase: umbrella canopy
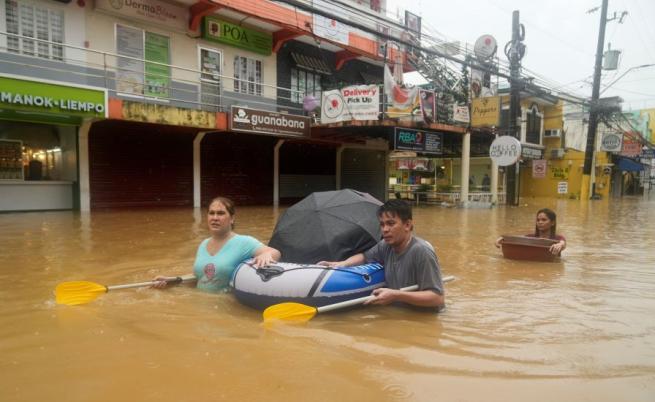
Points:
[[328, 225]]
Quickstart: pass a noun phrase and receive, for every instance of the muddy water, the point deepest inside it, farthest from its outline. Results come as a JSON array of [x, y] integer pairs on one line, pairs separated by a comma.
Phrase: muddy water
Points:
[[578, 329]]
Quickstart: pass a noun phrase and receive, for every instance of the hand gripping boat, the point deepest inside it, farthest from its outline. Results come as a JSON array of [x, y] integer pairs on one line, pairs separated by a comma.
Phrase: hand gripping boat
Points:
[[313, 285]]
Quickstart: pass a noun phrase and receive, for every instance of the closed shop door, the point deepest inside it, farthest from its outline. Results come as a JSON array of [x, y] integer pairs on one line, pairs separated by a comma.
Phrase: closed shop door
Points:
[[140, 165], [237, 166], [363, 170]]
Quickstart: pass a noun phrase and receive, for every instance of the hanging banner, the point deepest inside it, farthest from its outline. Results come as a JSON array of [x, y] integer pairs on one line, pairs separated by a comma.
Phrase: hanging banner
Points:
[[428, 106], [417, 140], [539, 169], [357, 102], [401, 101], [485, 112]]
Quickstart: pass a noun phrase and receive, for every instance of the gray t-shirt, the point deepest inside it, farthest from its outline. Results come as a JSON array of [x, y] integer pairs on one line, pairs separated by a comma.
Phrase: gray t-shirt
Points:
[[417, 265]]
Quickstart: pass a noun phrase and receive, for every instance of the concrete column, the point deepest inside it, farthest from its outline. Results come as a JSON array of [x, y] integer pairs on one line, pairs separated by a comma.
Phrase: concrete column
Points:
[[466, 162], [276, 173], [196, 169], [338, 173], [83, 146], [494, 182]]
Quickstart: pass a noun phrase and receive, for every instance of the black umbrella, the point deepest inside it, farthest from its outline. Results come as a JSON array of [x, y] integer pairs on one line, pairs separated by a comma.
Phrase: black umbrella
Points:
[[329, 225]]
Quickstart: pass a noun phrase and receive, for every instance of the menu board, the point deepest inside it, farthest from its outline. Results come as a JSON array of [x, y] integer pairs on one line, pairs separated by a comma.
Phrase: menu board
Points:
[[11, 160]]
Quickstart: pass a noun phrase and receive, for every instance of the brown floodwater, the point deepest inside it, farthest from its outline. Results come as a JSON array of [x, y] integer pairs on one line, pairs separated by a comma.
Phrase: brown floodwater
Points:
[[581, 329]]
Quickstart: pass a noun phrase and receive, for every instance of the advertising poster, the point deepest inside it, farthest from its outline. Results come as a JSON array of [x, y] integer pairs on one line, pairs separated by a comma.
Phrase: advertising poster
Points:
[[357, 102], [158, 76], [417, 140], [129, 72]]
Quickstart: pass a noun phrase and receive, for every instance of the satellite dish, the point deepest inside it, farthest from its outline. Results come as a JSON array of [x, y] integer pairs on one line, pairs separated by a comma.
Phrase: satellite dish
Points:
[[485, 47]]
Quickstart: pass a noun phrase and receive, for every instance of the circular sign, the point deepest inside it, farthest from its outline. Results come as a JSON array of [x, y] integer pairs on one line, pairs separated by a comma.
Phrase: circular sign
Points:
[[505, 150], [611, 142], [485, 47], [333, 105]]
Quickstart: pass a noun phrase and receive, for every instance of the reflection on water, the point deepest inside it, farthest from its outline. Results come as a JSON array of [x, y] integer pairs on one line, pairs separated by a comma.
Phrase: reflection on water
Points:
[[577, 329]]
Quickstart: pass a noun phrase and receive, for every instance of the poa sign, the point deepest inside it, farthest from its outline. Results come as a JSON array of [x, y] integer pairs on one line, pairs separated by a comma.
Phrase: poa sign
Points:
[[505, 150]]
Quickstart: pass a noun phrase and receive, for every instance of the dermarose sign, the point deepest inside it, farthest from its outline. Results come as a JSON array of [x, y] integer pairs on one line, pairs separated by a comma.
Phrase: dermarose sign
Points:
[[36, 101]]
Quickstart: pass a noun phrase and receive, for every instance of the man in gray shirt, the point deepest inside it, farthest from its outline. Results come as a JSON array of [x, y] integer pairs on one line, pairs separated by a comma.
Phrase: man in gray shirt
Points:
[[408, 260]]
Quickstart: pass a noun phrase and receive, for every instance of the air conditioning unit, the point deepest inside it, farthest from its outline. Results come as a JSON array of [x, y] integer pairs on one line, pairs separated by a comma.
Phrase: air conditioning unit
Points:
[[557, 153], [553, 133]]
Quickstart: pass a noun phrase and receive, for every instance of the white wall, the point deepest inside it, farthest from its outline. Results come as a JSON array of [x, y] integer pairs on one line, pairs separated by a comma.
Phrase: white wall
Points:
[[184, 50]]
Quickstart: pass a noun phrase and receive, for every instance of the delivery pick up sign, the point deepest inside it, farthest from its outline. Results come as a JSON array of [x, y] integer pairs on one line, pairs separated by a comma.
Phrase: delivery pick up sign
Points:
[[505, 150]]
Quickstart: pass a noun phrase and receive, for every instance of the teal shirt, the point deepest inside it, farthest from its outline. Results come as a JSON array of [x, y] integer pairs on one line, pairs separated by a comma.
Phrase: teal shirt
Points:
[[214, 272]]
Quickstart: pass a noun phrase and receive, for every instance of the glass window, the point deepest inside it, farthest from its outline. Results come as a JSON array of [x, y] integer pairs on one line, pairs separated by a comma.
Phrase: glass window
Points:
[[304, 83], [247, 76], [144, 69], [210, 78], [37, 22]]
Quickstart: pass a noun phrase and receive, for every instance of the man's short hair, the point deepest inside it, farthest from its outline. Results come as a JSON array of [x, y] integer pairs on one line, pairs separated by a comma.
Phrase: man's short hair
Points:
[[399, 208]]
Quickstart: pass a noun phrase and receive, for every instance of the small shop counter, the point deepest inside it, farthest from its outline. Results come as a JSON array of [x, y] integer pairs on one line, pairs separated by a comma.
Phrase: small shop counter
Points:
[[19, 195]]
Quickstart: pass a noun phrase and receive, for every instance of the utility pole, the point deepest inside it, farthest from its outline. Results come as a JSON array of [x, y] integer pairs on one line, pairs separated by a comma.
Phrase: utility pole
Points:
[[515, 54], [588, 187]]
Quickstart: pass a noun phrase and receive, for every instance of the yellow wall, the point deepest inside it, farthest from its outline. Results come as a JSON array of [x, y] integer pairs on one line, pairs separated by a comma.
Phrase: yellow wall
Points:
[[553, 117], [568, 169], [651, 122]]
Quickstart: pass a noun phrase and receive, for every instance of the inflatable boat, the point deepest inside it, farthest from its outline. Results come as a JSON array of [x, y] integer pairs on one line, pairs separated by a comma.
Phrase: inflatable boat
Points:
[[527, 248], [313, 285]]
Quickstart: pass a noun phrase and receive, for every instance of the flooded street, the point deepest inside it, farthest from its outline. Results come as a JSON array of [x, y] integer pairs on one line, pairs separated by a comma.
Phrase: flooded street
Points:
[[578, 329]]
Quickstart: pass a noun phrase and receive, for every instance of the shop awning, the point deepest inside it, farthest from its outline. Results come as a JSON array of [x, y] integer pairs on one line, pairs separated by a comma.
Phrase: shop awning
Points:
[[311, 63], [628, 165]]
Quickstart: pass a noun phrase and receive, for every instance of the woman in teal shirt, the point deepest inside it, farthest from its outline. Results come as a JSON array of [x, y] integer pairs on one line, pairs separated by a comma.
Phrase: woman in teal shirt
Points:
[[219, 256]]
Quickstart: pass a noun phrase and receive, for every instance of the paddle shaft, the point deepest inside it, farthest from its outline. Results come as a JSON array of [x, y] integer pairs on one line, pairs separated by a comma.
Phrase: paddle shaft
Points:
[[361, 300], [178, 279]]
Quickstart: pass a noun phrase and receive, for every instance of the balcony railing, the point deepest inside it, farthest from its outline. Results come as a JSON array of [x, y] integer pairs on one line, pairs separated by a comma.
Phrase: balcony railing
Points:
[[129, 78], [146, 81]]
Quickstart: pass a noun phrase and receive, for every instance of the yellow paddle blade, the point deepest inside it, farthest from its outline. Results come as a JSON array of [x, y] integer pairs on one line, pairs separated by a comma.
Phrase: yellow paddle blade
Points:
[[78, 292], [289, 312]]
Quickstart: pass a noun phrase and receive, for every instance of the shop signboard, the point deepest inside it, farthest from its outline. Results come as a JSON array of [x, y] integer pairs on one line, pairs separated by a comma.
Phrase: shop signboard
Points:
[[505, 150], [611, 142], [647, 153], [418, 140], [221, 31], [485, 112], [528, 152], [153, 11], [264, 122], [631, 148], [42, 101], [357, 102], [559, 173], [539, 169]]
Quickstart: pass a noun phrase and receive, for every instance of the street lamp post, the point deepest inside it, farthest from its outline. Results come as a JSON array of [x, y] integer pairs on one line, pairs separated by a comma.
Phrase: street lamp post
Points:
[[622, 75]]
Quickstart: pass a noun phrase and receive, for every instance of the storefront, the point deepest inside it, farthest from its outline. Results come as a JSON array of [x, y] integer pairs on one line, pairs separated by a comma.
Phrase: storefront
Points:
[[426, 166], [39, 124]]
